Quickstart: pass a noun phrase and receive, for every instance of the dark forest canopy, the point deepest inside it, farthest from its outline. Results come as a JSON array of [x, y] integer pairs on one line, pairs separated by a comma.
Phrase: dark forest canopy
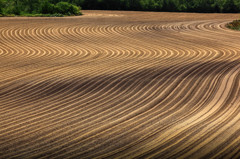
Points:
[[217, 6], [72, 7]]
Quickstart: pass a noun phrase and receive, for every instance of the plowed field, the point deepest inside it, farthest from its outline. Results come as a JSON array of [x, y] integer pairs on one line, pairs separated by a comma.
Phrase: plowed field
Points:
[[112, 84]]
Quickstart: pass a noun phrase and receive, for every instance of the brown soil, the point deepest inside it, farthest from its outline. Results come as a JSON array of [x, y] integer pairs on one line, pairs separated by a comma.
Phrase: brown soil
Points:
[[115, 84]]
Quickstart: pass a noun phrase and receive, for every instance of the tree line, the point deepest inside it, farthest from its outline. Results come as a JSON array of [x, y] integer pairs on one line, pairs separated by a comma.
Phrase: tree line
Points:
[[38, 7], [217, 6], [72, 7]]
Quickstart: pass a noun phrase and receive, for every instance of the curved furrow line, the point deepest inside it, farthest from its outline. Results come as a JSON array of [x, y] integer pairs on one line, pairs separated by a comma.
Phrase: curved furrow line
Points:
[[88, 31], [90, 89], [110, 87], [17, 90], [201, 34], [159, 150], [207, 128], [110, 49], [209, 34], [167, 44], [6, 37], [223, 124], [149, 135], [48, 70], [16, 40], [63, 50]]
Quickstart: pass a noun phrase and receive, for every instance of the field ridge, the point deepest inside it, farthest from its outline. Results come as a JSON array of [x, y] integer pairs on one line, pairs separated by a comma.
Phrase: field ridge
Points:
[[114, 84]]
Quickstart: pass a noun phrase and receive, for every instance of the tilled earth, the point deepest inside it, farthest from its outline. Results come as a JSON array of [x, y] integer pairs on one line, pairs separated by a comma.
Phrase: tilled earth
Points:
[[115, 84]]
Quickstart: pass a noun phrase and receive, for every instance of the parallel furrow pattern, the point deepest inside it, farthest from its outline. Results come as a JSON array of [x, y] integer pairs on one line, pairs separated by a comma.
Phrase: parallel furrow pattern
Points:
[[120, 85]]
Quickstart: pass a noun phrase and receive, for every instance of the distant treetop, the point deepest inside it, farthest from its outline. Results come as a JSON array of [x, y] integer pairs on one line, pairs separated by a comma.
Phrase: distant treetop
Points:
[[72, 7], [217, 6], [38, 8]]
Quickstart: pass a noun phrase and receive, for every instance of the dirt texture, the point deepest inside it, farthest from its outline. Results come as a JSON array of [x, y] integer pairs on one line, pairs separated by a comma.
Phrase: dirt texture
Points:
[[120, 84]]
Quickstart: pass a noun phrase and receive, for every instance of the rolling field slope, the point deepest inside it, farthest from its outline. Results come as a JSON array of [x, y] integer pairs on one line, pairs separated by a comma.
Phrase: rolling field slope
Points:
[[114, 84]]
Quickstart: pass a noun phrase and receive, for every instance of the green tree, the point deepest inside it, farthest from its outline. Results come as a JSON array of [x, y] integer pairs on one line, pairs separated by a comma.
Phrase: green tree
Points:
[[46, 7], [66, 8], [1, 6]]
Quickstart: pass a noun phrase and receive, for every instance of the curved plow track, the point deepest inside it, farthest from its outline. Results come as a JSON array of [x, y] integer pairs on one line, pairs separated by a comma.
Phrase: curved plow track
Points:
[[120, 85]]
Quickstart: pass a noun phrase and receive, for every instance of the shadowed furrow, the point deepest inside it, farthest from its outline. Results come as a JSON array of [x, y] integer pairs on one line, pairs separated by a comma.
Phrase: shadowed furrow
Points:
[[132, 85]]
